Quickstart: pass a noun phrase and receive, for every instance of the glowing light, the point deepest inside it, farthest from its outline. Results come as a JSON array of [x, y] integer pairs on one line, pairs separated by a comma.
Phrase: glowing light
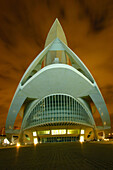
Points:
[[35, 141], [18, 144], [34, 134], [6, 141], [104, 123], [81, 139], [58, 132], [82, 131], [73, 131], [45, 132], [109, 134], [106, 139]]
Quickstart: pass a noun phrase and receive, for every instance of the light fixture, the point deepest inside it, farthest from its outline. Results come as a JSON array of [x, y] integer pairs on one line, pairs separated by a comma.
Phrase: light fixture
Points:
[[35, 141], [18, 144], [82, 131], [34, 134], [81, 139]]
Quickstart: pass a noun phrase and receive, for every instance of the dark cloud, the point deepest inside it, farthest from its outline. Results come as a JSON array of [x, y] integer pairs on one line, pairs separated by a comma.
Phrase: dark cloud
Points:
[[48, 3], [4, 77], [5, 36], [20, 19], [62, 13], [8, 67], [98, 23], [98, 13]]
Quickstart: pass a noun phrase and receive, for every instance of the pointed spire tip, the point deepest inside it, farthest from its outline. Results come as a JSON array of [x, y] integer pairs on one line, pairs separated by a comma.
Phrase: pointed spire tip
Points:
[[56, 31], [56, 20]]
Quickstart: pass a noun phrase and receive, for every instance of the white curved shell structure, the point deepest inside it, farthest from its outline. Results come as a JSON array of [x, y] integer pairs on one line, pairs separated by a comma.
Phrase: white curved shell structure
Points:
[[57, 76]]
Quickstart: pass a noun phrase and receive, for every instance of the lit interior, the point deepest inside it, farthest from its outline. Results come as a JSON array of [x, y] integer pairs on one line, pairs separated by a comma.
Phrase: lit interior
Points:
[[58, 132], [73, 131], [35, 141], [82, 131], [34, 134], [81, 139], [45, 132]]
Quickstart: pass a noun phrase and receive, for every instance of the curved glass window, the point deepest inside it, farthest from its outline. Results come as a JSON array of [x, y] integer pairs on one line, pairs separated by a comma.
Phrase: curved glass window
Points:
[[57, 108]]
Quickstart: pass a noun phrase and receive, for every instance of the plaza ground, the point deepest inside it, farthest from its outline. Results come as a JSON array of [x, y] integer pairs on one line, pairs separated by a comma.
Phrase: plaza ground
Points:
[[58, 156]]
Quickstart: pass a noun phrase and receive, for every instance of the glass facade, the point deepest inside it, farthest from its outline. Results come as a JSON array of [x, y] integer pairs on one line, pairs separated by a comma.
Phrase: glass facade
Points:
[[59, 139], [57, 108], [73, 131], [44, 132], [58, 132], [34, 134]]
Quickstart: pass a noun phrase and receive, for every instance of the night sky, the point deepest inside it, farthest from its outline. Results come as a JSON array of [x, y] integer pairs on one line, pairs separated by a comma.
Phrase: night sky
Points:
[[24, 24]]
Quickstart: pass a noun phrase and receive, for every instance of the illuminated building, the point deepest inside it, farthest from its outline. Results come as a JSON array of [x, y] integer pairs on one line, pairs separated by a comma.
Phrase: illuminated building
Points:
[[57, 91]]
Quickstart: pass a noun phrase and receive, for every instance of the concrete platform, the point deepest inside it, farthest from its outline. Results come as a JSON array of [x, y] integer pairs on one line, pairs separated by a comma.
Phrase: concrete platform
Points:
[[58, 156]]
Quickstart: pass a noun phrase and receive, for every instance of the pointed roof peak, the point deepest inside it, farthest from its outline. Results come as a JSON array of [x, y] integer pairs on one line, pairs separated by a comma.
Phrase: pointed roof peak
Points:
[[56, 31], [57, 21]]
